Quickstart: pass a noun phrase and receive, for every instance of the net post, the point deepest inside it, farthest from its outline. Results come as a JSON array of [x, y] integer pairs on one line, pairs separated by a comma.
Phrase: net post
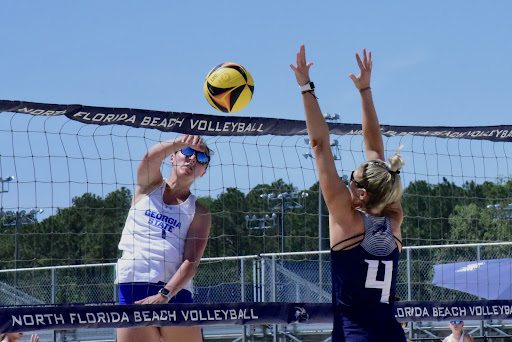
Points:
[[242, 280], [263, 280], [274, 279], [54, 285], [114, 285], [409, 291], [242, 292], [479, 257], [54, 296]]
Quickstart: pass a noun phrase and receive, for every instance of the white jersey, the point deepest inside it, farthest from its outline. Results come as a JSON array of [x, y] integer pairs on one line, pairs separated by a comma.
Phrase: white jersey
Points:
[[153, 239], [450, 338]]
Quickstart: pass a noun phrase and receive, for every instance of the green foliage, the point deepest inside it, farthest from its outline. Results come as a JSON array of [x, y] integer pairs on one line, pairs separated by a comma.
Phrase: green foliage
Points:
[[87, 232], [235, 232], [446, 213]]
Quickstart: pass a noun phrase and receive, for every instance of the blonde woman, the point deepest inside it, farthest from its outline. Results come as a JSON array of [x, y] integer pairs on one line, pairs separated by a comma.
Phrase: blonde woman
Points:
[[364, 218]]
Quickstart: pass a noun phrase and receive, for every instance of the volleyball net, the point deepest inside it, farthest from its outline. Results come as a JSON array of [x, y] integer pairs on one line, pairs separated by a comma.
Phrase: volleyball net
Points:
[[68, 173]]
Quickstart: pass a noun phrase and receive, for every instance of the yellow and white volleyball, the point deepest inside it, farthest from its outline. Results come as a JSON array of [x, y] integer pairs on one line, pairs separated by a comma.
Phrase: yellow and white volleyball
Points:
[[229, 87]]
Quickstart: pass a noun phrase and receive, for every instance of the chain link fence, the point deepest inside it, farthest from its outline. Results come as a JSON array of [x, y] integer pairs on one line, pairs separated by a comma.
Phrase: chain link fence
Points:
[[280, 277], [276, 277]]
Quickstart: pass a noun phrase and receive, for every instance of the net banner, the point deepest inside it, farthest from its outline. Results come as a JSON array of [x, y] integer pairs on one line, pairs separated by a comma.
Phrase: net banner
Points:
[[114, 316], [109, 316], [202, 124]]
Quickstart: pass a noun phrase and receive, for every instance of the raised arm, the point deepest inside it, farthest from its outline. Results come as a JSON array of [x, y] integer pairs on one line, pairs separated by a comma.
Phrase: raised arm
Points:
[[372, 136], [333, 189], [148, 173]]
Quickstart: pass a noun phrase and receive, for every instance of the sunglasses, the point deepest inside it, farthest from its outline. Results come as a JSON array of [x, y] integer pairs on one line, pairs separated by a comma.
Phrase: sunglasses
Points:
[[200, 156], [455, 322], [359, 185]]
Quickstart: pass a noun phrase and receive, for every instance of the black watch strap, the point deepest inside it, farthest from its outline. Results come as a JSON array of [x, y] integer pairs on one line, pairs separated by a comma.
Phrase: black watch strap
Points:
[[307, 87]]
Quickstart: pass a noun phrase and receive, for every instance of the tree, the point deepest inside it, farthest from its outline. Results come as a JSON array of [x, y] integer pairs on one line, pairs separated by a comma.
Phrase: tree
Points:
[[427, 208], [230, 235], [86, 232], [226, 223]]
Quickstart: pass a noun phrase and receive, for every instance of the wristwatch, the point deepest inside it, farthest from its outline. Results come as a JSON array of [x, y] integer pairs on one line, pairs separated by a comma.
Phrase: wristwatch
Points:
[[307, 87], [165, 292]]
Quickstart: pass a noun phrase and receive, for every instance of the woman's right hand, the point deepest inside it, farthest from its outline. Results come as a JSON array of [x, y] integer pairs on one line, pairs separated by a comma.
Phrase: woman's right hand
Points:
[[154, 299], [194, 141]]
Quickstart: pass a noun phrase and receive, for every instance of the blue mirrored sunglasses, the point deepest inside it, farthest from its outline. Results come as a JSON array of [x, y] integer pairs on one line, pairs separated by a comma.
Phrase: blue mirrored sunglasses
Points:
[[455, 322], [200, 156]]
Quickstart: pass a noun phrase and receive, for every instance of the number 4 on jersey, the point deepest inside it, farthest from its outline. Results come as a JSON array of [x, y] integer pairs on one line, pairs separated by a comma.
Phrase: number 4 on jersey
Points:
[[373, 283]]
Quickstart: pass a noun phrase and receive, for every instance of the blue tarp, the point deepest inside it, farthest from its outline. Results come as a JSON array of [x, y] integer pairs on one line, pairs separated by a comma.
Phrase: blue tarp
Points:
[[489, 279]]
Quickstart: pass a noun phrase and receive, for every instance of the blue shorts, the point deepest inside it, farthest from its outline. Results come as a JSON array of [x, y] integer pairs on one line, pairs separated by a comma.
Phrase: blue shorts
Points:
[[129, 293]]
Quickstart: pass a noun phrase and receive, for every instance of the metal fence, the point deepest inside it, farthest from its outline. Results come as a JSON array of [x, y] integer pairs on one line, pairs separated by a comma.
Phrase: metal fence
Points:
[[279, 277]]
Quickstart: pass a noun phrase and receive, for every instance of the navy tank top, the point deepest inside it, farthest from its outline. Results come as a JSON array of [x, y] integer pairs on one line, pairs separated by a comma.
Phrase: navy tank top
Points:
[[364, 285]]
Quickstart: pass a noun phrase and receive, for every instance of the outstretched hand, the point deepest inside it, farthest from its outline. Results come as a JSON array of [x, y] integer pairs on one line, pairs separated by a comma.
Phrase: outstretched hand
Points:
[[362, 80], [34, 338], [302, 69]]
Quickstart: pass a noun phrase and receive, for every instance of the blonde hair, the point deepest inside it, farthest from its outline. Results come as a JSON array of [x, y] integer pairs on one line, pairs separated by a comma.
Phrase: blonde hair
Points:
[[209, 152], [382, 180]]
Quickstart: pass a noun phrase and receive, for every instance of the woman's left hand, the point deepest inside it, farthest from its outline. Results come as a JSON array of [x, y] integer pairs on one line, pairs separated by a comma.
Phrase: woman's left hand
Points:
[[302, 69], [362, 80], [155, 299]]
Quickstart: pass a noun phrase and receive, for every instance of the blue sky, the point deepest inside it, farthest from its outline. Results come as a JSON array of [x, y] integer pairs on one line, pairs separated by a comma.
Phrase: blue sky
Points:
[[435, 62]]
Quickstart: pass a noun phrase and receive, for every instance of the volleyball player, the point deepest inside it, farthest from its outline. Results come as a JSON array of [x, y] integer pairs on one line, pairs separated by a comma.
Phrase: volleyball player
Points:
[[364, 218], [458, 335], [164, 237]]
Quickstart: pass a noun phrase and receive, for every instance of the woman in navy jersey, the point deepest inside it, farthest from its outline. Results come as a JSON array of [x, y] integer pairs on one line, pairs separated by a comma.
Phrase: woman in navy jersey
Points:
[[164, 236], [364, 219]]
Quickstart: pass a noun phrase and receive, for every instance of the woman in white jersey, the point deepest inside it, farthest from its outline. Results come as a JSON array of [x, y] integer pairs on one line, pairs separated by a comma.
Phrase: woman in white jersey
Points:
[[458, 335], [164, 236]]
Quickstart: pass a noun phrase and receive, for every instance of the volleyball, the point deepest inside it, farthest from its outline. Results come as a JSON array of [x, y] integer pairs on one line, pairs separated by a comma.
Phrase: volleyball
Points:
[[229, 87]]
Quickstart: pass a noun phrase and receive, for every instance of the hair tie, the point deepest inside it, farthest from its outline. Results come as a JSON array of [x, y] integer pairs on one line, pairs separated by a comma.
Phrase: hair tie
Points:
[[385, 166]]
